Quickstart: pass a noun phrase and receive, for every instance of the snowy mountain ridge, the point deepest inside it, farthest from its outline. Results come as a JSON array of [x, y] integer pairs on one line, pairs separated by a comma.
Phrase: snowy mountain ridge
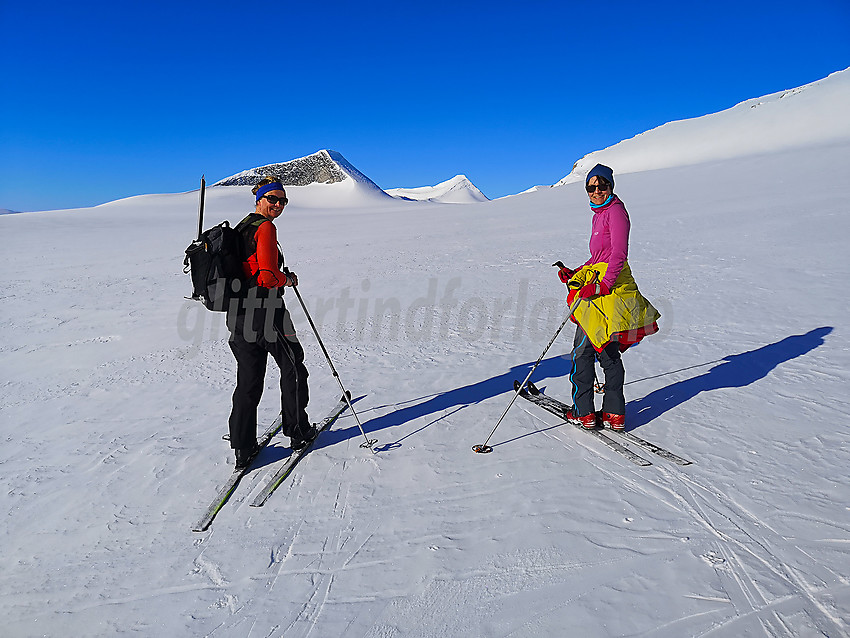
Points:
[[322, 167], [324, 179], [808, 115], [457, 190], [315, 172]]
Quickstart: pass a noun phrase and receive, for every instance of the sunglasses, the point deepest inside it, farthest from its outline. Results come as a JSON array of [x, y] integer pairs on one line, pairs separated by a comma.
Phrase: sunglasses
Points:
[[274, 201], [591, 188]]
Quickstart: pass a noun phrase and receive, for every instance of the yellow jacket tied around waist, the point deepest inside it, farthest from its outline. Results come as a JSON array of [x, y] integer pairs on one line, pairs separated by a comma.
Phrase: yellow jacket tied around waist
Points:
[[624, 315]]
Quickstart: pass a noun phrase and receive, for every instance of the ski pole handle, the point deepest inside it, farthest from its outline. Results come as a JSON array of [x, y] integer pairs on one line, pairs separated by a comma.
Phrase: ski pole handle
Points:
[[578, 285]]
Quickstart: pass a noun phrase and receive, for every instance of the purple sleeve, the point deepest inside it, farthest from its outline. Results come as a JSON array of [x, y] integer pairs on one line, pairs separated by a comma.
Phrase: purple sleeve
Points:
[[618, 226]]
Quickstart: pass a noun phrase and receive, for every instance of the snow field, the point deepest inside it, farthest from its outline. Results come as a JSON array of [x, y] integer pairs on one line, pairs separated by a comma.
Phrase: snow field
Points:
[[117, 391]]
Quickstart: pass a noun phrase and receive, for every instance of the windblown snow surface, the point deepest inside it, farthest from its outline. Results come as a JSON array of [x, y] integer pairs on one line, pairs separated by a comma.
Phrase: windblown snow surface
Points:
[[116, 393]]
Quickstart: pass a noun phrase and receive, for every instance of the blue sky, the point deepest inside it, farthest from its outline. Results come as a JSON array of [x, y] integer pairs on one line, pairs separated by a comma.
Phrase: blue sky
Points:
[[107, 100]]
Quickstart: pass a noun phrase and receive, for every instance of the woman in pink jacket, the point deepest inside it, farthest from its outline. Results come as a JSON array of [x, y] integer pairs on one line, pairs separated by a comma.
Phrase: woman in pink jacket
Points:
[[611, 313]]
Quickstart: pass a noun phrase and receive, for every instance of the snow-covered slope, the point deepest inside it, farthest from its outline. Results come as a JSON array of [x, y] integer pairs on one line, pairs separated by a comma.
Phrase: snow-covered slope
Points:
[[325, 178], [116, 392], [813, 114], [457, 190]]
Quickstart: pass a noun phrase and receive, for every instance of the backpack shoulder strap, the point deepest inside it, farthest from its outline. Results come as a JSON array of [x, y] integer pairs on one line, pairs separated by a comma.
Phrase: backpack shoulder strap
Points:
[[247, 228], [251, 220]]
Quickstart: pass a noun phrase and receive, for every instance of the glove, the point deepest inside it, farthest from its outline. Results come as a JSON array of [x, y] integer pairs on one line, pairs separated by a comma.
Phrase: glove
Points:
[[593, 289], [291, 279], [564, 274]]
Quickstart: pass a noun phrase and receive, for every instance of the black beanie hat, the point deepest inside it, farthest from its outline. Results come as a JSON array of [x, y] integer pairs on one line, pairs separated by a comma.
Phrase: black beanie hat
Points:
[[600, 170]]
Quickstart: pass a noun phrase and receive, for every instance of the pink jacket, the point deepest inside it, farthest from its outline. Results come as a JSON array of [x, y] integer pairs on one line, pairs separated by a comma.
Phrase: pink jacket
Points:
[[609, 239]]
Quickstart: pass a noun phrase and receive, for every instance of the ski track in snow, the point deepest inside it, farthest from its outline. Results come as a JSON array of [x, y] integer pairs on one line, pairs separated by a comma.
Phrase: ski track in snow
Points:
[[741, 538]]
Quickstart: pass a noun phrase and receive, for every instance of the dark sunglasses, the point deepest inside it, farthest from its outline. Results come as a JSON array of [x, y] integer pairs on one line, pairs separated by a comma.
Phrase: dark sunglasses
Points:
[[591, 188], [274, 201]]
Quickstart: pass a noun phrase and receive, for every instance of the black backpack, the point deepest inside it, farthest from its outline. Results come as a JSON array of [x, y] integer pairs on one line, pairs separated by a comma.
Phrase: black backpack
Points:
[[215, 263]]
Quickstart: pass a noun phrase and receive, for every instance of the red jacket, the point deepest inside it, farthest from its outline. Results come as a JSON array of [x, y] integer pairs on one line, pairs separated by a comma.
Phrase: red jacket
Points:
[[265, 262]]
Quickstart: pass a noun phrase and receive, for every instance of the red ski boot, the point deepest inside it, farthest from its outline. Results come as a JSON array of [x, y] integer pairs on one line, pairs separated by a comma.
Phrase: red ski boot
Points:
[[588, 421], [614, 421]]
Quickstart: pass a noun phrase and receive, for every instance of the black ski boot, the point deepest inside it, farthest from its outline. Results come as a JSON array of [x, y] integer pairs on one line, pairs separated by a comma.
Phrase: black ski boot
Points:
[[302, 437], [244, 456]]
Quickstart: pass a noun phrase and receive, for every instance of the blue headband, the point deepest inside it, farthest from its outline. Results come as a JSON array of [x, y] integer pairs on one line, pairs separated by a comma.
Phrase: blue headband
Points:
[[274, 186]]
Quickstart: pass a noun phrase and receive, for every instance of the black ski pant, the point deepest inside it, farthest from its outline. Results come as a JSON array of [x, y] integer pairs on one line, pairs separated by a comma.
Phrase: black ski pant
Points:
[[583, 374], [255, 334]]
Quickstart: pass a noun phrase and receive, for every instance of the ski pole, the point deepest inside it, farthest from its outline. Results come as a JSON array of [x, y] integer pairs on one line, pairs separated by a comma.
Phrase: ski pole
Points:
[[201, 208], [483, 448], [369, 442]]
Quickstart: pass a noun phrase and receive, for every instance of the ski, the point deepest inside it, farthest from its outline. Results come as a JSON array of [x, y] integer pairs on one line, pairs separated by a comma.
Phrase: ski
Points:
[[561, 410], [293, 459], [228, 488], [633, 438], [652, 447]]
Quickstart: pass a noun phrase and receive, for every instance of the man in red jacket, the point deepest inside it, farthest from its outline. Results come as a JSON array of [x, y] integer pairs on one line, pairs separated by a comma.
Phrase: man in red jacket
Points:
[[261, 325]]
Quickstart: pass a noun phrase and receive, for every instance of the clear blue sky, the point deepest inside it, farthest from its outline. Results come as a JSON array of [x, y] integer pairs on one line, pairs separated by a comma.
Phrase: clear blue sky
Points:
[[100, 101]]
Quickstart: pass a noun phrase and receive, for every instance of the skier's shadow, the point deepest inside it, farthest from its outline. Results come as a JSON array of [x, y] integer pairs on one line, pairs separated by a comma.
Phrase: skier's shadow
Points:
[[736, 371], [458, 398]]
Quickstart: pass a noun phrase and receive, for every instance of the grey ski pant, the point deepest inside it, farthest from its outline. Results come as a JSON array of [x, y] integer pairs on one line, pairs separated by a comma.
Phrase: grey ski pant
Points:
[[583, 375]]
